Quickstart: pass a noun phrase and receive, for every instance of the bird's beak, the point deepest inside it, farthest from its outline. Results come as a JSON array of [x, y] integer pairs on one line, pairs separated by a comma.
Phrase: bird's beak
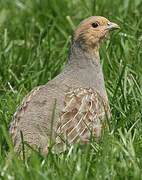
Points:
[[112, 26]]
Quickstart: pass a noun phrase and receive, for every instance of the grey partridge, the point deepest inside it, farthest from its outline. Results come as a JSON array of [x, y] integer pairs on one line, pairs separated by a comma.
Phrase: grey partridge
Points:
[[79, 91]]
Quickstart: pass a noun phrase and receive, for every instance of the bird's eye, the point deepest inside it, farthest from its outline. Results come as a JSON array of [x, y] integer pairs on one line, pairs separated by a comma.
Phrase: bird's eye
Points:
[[95, 25]]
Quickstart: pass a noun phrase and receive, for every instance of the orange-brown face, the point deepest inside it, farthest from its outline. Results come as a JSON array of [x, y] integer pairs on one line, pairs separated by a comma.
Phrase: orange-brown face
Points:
[[94, 30]]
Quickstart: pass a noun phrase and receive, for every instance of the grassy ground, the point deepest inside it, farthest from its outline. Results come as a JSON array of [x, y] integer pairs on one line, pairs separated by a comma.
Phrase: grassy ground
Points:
[[34, 41]]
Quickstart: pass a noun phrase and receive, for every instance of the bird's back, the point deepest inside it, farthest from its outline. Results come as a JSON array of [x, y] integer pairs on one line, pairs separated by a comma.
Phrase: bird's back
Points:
[[78, 110]]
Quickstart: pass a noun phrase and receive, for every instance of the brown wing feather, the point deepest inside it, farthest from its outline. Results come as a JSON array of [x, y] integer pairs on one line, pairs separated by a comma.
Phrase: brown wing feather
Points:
[[84, 112]]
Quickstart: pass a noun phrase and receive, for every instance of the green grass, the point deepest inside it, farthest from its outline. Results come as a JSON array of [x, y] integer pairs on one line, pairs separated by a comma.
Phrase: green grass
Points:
[[34, 42]]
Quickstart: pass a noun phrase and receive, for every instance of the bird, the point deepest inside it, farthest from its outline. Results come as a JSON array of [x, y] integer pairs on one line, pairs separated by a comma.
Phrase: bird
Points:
[[72, 106]]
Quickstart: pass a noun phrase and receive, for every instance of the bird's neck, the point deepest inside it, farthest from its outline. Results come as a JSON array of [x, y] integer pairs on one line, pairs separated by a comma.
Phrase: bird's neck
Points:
[[83, 58], [87, 67]]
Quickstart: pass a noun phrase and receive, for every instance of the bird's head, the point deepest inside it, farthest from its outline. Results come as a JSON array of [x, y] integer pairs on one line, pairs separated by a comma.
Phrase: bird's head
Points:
[[92, 31]]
